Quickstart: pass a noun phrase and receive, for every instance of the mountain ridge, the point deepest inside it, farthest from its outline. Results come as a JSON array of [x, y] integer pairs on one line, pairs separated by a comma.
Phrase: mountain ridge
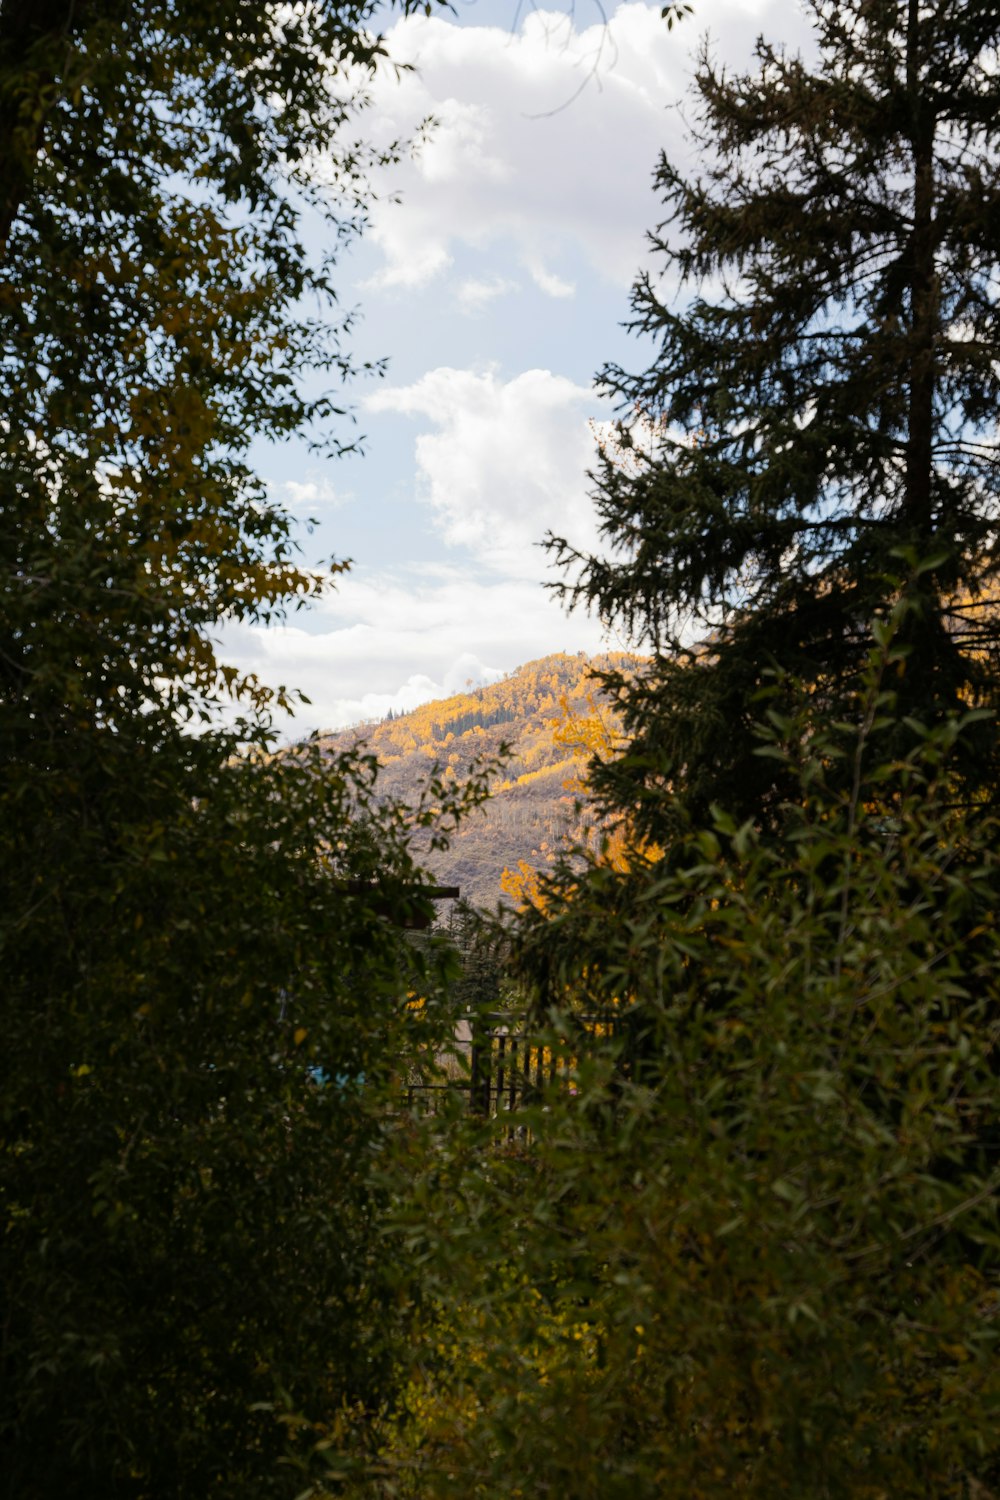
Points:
[[545, 713]]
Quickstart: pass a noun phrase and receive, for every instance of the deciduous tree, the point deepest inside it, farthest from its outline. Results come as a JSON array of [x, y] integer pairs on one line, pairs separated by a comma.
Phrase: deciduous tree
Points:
[[204, 1001]]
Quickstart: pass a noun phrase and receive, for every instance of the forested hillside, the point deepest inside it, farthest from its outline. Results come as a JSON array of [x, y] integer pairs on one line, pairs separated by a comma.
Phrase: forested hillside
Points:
[[547, 712]]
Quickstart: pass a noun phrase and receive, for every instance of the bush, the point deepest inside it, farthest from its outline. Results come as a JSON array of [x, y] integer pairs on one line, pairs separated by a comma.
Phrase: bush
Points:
[[754, 1250]]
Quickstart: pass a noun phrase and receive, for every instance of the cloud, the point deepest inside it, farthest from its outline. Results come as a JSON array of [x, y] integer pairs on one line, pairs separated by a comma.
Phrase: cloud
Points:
[[551, 285], [395, 640], [503, 463], [526, 196], [308, 494], [545, 138], [498, 463], [476, 293]]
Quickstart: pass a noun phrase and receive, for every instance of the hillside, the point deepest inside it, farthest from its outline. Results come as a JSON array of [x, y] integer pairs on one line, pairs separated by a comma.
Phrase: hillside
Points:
[[545, 712]]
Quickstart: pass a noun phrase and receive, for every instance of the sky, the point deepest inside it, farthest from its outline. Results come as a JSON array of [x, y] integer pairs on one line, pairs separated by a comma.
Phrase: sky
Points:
[[495, 277]]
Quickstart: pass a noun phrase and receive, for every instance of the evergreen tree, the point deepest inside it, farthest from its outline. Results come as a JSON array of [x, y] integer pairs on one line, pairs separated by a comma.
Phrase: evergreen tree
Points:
[[817, 431]]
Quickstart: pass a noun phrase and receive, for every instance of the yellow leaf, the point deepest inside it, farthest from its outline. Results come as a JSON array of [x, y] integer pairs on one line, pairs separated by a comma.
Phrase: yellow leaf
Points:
[[300, 1035]]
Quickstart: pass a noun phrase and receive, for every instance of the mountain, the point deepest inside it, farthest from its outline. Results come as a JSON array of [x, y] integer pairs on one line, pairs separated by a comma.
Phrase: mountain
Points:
[[550, 714]]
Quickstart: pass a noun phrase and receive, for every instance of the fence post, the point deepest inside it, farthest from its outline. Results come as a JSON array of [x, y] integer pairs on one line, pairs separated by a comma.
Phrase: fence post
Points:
[[479, 1070]]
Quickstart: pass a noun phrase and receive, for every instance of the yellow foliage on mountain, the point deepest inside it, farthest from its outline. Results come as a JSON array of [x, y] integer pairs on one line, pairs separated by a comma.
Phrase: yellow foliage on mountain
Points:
[[589, 731], [551, 717]]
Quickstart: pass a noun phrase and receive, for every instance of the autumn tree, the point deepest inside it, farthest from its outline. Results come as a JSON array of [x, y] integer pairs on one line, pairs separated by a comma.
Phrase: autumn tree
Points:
[[203, 946], [816, 431], [159, 312]]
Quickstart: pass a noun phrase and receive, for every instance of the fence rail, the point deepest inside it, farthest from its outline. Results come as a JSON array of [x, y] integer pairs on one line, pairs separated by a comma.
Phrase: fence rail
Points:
[[506, 1064]]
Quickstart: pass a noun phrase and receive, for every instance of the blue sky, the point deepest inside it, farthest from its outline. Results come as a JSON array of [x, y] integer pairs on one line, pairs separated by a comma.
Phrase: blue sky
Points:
[[496, 286]]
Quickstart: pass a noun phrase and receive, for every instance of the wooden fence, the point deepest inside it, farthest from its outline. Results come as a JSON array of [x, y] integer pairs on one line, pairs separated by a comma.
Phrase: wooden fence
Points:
[[502, 1064]]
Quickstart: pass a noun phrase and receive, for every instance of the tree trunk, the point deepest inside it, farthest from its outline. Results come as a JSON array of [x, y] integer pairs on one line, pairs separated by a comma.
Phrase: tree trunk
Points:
[[923, 298]]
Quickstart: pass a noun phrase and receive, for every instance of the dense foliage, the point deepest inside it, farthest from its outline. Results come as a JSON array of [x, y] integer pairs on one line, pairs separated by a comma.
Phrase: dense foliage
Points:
[[747, 1243], [203, 1032], [205, 969]]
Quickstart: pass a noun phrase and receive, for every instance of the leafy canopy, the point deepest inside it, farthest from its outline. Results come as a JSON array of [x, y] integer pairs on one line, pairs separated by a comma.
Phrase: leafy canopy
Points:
[[167, 173], [204, 1019]]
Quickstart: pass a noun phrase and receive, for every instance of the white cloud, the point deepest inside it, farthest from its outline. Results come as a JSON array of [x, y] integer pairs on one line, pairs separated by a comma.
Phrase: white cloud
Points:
[[505, 462], [308, 494], [382, 641], [499, 463], [539, 195], [546, 138], [476, 293], [551, 285], [458, 148]]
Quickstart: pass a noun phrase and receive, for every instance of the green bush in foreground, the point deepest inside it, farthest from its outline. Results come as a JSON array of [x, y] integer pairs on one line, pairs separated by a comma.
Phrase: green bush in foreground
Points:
[[204, 1025], [756, 1251]]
